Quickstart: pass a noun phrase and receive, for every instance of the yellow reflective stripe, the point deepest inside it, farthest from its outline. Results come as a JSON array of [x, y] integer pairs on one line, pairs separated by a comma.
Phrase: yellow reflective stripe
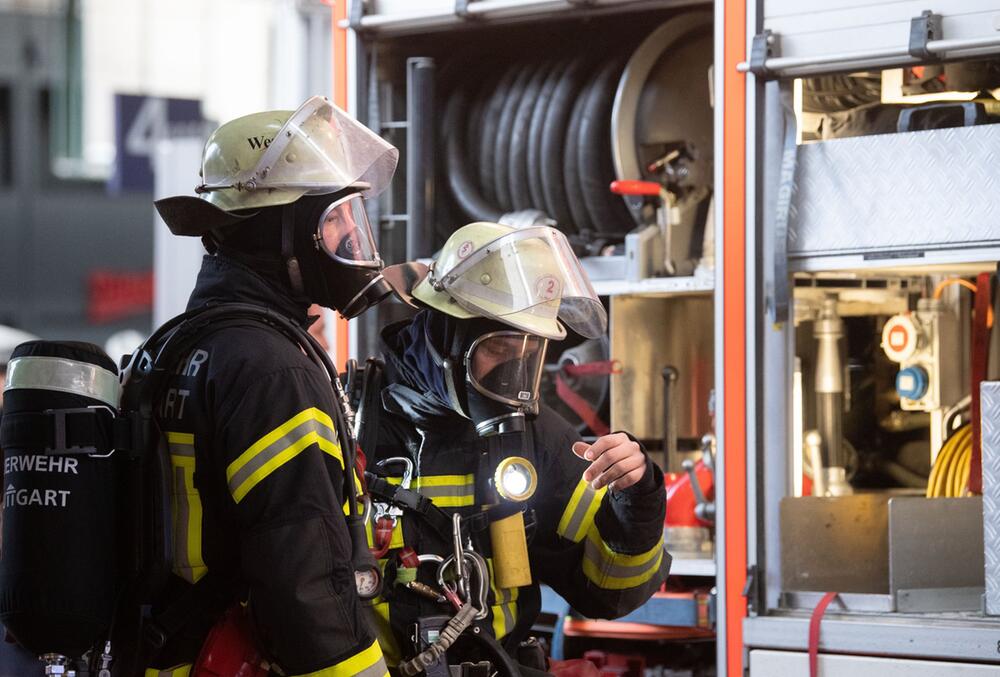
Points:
[[448, 491], [379, 615], [444, 491], [367, 663], [176, 671], [578, 516], [611, 570], [186, 509], [281, 445], [504, 612], [180, 438]]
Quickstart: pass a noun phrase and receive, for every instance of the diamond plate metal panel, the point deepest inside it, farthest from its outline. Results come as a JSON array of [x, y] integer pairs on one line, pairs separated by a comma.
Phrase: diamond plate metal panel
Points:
[[895, 193], [990, 413]]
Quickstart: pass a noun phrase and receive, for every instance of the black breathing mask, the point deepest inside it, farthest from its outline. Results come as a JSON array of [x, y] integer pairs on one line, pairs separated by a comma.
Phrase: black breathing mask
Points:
[[330, 253], [493, 377]]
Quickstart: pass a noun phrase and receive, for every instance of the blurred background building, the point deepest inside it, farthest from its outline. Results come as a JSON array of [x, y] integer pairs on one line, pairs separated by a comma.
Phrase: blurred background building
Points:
[[91, 93]]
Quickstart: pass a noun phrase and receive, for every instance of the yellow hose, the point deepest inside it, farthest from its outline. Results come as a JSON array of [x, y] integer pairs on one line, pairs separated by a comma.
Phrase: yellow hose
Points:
[[949, 477]]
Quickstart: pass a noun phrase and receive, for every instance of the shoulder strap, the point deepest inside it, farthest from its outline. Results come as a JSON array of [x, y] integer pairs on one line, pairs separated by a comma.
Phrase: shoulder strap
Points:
[[370, 406]]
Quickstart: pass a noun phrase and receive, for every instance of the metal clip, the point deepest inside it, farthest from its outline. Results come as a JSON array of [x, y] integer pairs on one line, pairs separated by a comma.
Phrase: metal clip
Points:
[[392, 511], [763, 47], [106, 658], [923, 29]]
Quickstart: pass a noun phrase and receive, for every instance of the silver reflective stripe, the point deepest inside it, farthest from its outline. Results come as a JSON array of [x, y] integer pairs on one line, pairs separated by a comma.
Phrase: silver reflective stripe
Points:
[[610, 568], [268, 453], [67, 376], [574, 529], [447, 491], [377, 670]]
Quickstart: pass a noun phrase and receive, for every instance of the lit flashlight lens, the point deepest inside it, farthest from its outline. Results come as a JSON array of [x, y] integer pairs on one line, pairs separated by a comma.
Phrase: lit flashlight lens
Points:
[[516, 479]]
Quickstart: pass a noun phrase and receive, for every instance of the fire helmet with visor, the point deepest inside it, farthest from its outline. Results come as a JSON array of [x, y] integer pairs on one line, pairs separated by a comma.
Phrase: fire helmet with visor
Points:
[[526, 283], [317, 164]]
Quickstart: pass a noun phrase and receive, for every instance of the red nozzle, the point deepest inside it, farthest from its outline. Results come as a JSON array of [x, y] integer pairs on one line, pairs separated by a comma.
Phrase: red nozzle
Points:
[[650, 188]]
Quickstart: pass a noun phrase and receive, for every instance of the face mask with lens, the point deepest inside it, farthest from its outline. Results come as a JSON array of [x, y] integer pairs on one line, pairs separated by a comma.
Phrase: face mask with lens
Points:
[[491, 377], [340, 264], [503, 370]]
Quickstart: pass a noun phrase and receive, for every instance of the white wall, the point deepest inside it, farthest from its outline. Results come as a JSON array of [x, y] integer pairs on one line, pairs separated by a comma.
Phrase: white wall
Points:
[[237, 56]]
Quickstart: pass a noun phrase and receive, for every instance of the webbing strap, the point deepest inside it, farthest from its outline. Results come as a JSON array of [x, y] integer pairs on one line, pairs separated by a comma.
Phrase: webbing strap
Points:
[[383, 490], [598, 368], [780, 292], [210, 595], [59, 432], [980, 363], [581, 407], [814, 624]]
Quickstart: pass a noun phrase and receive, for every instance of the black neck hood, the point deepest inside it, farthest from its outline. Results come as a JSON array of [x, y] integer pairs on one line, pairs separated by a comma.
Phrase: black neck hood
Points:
[[225, 280]]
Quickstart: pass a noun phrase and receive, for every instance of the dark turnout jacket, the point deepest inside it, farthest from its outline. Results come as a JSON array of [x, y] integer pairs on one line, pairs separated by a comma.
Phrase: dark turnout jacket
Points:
[[603, 550], [258, 488]]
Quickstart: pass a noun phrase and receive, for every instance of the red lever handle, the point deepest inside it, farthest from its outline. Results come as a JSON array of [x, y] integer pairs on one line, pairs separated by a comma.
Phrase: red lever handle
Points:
[[635, 188]]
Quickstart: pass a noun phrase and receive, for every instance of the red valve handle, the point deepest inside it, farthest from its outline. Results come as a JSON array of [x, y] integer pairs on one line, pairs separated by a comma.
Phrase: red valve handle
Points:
[[635, 188]]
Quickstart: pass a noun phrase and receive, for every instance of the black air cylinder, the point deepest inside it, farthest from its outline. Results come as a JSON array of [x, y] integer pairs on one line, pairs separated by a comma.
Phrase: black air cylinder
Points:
[[58, 567]]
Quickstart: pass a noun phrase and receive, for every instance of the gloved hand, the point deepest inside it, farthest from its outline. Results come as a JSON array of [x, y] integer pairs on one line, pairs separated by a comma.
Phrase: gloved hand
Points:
[[618, 461]]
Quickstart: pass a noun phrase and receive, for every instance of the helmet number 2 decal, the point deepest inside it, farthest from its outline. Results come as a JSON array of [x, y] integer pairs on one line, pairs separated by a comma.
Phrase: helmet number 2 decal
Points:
[[547, 287]]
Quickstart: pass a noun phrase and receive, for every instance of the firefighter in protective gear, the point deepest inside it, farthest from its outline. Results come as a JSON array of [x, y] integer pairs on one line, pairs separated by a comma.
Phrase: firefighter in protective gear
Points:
[[257, 466], [464, 372]]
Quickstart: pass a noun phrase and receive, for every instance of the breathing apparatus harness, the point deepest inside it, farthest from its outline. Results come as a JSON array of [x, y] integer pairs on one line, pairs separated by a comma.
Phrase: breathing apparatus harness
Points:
[[499, 528], [148, 540]]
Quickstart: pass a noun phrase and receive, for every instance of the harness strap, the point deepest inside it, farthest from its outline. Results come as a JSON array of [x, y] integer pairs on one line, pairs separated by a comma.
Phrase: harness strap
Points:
[[60, 432], [210, 595], [435, 517], [396, 495]]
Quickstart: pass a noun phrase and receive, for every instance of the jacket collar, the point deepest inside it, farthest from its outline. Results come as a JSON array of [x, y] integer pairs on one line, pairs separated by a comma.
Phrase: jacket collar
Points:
[[225, 280]]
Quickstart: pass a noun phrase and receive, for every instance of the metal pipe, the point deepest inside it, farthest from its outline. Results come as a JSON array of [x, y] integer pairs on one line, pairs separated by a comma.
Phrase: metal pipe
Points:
[[829, 387], [814, 443], [420, 157], [415, 21], [898, 56], [670, 376]]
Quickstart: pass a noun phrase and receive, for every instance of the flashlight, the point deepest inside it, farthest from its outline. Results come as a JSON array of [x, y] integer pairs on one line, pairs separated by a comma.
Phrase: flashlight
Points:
[[515, 479]]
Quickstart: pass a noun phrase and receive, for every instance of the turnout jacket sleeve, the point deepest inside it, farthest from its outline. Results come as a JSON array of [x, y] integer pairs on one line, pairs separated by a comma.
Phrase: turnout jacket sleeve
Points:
[[284, 470], [603, 551]]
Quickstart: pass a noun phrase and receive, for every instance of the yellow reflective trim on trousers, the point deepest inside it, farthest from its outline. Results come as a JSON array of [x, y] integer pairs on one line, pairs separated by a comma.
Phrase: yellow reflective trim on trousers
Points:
[[505, 610], [578, 516], [379, 617], [186, 509], [366, 663], [281, 445], [176, 671], [611, 570]]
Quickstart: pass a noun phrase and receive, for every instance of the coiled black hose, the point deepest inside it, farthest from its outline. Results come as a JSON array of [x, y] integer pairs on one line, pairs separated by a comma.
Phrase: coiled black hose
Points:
[[462, 186]]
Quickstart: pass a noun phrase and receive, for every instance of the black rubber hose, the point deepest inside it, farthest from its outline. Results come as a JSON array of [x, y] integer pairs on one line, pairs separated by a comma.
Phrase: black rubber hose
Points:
[[554, 143], [501, 144], [491, 120], [607, 212], [520, 136], [534, 162], [474, 124], [463, 188], [580, 218]]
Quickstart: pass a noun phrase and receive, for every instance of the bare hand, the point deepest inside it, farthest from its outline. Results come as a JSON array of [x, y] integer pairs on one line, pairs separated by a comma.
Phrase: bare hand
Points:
[[618, 462]]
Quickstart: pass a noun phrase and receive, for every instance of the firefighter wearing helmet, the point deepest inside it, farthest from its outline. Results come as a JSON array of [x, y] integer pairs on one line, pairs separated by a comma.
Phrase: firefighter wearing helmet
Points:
[[491, 468], [257, 462]]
